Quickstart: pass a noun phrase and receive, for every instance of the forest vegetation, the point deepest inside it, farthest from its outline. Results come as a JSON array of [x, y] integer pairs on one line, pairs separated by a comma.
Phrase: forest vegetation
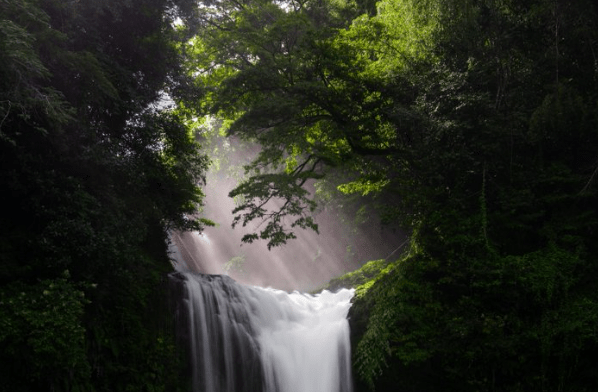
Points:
[[470, 124], [94, 171]]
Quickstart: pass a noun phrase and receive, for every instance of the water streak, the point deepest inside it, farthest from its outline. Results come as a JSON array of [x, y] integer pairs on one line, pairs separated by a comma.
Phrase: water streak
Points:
[[254, 339]]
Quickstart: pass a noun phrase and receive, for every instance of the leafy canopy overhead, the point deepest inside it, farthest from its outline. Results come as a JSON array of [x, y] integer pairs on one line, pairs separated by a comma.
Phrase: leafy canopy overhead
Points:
[[317, 90], [471, 124]]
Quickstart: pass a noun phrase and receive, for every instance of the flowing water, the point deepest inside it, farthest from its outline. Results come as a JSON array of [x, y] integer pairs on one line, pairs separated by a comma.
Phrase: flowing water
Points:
[[251, 339]]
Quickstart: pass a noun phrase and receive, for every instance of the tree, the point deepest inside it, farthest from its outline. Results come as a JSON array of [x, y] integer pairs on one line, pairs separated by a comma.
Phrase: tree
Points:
[[95, 170], [505, 232], [306, 97], [474, 123]]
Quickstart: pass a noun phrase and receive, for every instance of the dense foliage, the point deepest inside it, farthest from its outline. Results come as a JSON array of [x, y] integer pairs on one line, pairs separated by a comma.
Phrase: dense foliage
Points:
[[94, 170], [475, 125], [472, 124]]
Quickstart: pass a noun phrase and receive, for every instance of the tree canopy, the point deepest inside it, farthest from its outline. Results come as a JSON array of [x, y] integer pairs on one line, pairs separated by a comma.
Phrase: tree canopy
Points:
[[95, 168], [473, 125]]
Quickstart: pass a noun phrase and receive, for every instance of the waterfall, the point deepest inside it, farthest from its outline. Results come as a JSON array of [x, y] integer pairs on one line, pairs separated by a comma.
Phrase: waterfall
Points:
[[251, 339]]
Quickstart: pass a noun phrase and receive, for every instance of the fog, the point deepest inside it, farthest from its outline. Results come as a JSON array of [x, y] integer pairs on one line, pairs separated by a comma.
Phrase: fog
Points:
[[303, 264]]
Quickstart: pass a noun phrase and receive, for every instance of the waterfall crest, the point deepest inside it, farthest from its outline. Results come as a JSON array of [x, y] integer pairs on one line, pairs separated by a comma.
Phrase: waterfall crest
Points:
[[245, 338]]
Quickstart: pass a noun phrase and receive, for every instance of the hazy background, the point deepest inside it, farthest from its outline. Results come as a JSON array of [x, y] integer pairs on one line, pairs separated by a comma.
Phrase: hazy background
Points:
[[305, 263], [302, 264]]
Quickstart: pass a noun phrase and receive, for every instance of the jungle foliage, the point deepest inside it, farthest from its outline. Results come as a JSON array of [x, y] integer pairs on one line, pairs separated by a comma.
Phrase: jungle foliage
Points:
[[473, 124], [94, 170]]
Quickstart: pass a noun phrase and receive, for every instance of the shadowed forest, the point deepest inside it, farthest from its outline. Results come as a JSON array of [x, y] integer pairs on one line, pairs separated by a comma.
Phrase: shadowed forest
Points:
[[469, 125]]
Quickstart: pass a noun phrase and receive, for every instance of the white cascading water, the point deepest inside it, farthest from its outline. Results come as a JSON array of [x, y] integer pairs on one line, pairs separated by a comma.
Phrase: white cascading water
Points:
[[254, 339]]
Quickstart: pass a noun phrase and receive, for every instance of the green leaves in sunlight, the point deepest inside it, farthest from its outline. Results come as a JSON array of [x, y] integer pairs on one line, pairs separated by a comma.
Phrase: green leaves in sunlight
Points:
[[291, 80]]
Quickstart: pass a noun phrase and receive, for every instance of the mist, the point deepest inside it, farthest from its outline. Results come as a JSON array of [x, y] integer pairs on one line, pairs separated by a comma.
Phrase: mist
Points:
[[303, 264]]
